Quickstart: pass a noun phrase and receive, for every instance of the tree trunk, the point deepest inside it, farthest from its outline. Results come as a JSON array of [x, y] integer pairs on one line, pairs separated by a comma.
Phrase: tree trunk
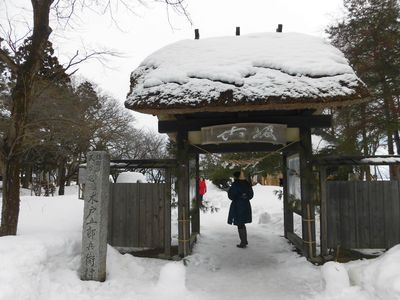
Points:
[[11, 150], [61, 179], [10, 209], [364, 141], [388, 102], [25, 178], [397, 141]]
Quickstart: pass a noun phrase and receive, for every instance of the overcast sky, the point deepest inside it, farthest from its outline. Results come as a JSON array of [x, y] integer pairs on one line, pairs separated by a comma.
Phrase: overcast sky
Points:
[[136, 36]]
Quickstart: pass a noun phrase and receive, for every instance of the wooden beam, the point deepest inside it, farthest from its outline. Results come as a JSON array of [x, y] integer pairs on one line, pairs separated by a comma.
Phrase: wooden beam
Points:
[[183, 195], [312, 121], [143, 163], [356, 160], [196, 208], [307, 193], [167, 214], [296, 240], [287, 214], [226, 148], [323, 212], [292, 149]]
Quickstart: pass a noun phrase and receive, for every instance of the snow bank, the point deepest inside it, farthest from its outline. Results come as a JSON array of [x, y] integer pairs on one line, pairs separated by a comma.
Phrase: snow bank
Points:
[[363, 279], [380, 276]]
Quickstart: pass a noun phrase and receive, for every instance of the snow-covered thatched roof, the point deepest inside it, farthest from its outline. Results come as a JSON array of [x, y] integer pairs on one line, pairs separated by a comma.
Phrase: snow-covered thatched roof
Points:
[[251, 72]]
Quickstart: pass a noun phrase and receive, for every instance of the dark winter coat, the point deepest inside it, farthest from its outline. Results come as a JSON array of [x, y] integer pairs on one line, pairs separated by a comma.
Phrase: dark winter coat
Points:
[[240, 210]]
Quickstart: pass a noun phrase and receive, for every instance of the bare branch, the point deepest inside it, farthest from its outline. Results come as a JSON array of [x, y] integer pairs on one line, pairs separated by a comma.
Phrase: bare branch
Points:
[[179, 6], [98, 55]]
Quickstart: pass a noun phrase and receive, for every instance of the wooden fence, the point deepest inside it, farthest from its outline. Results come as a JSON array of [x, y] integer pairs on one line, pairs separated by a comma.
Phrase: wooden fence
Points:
[[140, 215], [363, 214]]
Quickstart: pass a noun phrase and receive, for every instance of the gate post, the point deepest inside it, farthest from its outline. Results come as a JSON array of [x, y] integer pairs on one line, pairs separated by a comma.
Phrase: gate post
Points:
[[287, 213], [183, 195], [196, 208], [307, 193], [95, 217], [323, 212]]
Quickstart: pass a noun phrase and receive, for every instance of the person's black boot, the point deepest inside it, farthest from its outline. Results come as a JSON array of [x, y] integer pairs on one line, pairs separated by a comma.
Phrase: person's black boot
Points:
[[243, 238]]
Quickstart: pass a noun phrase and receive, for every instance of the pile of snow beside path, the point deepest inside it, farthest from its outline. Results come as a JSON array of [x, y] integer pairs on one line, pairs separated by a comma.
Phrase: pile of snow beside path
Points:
[[363, 279]]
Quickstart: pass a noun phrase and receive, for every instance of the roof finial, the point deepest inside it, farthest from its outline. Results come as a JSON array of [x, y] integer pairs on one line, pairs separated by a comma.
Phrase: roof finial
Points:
[[279, 29], [237, 31], [196, 34]]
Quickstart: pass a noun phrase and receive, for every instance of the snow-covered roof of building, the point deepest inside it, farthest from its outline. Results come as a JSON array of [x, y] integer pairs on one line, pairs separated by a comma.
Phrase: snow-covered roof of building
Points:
[[250, 72]]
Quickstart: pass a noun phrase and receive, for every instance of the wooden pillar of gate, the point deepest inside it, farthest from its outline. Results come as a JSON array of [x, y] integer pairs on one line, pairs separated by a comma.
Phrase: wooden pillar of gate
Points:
[[183, 194], [307, 193], [287, 213], [196, 207], [167, 214], [323, 212]]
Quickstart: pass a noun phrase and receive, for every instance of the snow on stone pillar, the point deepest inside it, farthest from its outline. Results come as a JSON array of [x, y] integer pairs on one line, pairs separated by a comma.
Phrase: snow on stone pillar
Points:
[[95, 217]]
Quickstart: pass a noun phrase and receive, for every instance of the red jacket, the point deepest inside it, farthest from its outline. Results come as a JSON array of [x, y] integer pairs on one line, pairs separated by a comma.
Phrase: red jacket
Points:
[[202, 187]]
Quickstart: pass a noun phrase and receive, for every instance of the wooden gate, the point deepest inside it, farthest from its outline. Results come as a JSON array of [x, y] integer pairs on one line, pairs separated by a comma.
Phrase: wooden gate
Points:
[[363, 214], [140, 215]]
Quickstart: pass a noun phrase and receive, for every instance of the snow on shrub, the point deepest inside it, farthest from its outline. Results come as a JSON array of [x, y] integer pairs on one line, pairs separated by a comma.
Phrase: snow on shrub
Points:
[[131, 177]]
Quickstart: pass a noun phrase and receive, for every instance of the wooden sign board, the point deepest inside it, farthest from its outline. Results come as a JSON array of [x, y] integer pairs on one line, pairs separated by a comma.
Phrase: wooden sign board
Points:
[[244, 133]]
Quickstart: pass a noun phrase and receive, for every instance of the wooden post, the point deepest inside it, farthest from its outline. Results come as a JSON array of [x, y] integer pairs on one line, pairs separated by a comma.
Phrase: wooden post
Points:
[[183, 195], [196, 34], [307, 193], [237, 31], [287, 213], [279, 29], [196, 208], [167, 214], [323, 212]]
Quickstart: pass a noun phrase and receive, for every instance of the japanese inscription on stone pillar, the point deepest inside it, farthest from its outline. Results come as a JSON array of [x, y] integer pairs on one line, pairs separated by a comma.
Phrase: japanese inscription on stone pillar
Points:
[[95, 217]]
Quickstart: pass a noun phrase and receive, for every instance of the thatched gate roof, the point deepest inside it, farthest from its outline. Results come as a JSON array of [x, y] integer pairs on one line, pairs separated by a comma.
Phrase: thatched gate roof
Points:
[[264, 71]]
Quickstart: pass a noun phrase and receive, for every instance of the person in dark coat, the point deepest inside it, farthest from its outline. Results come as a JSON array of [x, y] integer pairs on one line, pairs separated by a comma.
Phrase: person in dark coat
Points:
[[240, 193]]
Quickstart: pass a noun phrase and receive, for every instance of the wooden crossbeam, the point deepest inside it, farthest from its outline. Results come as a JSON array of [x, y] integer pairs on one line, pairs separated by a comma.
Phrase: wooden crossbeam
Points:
[[357, 160], [143, 163], [226, 148], [310, 121]]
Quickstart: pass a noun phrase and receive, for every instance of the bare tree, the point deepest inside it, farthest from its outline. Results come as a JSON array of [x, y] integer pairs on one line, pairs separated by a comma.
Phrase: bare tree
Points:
[[25, 73]]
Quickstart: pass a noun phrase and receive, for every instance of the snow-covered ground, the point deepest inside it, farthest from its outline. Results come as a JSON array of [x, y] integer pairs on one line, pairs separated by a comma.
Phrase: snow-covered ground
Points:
[[42, 262]]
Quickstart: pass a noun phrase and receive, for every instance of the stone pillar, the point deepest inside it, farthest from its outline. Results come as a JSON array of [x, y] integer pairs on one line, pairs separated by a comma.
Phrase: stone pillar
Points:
[[95, 217]]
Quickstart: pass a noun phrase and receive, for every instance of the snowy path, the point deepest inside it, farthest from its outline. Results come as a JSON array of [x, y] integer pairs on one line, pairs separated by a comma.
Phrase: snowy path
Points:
[[267, 269]]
